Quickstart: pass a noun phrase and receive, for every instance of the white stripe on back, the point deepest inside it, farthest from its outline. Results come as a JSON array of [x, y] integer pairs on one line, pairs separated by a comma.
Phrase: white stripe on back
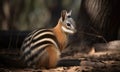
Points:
[[41, 34]]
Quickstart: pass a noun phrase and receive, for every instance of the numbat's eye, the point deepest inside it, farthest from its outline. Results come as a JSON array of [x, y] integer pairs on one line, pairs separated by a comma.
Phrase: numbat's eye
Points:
[[69, 16], [68, 24]]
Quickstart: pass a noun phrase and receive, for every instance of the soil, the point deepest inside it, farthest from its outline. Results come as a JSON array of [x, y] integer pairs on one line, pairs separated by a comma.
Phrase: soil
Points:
[[103, 61]]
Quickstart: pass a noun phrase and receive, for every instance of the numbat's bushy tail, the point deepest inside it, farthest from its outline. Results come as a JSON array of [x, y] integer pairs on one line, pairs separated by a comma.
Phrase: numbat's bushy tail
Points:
[[42, 47]]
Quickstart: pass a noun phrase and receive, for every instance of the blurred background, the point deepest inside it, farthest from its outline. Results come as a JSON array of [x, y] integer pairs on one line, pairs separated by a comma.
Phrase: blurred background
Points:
[[31, 14], [19, 17], [97, 20]]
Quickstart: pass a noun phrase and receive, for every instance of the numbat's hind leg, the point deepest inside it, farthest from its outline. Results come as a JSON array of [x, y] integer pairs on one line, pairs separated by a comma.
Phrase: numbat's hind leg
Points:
[[43, 61], [54, 56]]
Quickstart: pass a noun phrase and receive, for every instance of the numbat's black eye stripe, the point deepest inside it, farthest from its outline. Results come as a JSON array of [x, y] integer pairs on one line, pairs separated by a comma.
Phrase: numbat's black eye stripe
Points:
[[69, 16]]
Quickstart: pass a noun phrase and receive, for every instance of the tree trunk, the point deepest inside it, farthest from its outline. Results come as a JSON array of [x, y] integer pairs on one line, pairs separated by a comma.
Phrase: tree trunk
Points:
[[104, 17], [98, 21]]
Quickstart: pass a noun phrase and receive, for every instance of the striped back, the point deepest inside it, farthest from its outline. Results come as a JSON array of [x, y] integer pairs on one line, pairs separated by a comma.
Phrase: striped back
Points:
[[35, 43]]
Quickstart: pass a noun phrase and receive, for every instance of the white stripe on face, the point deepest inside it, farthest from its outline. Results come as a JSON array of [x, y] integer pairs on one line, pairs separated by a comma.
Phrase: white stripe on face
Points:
[[67, 30]]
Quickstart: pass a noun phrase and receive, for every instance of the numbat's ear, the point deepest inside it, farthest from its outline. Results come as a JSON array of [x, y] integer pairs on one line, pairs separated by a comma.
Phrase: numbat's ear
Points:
[[63, 14], [69, 13]]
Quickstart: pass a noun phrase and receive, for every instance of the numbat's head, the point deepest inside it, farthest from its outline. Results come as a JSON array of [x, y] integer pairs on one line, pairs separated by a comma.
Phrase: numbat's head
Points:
[[68, 24]]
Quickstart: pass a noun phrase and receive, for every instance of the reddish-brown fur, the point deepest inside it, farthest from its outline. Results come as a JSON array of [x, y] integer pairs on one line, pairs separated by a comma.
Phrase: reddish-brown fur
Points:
[[61, 36], [49, 58], [52, 54]]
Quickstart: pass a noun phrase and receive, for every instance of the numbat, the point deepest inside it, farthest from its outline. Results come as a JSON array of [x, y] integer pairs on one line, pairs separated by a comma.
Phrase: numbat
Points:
[[42, 47]]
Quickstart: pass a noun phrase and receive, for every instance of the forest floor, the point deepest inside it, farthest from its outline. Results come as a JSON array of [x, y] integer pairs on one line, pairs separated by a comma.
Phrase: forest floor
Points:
[[104, 61], [97, 62]]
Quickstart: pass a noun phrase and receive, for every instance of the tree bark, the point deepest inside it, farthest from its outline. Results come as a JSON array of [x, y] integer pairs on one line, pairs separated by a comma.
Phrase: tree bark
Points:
[[98, 21], [104, 17]]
